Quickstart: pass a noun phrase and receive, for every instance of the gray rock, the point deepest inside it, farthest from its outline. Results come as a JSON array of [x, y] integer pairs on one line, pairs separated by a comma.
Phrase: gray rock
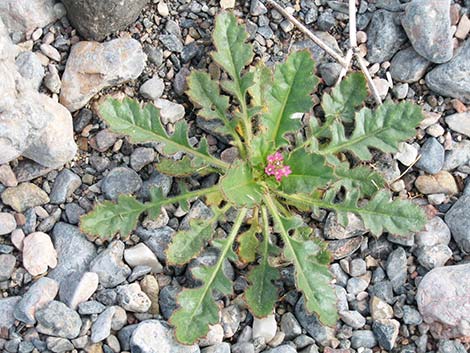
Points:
[[459, 122], [285, 348], [38, 295], [171, 42], [92, 66], [230, 319], [356, 285], [448, 346], [141, 255], [132, 298], [167, 300], [257, 8], [58, 344], [96, 19], [156, 180], [433, 256], [7, 265], [452, 79], [442, 302], [124, 336], [352, 318], [153, 88], [458, 221], [157, 240], [330, 72], [153, 336], [386, 332], [427, 24], [432, 156], [435, 232], [385, 36], [27, 15], [73, 213], [64, 186], [342, 248], [77, 288], [357, 267], [109, 266], [170, 112], [223, 347], [339, 274], [90, 307], [319, 55], [198, 211], [101, 328], [56, 319], [363, 339], [342, 299], [383, 290], [290, 326], [333, 230], [396, 268], [7, 308], [326, 21], [322, 334], [67, 239], [141, 157], [120, 180], [411, 316], [457, 157], [29, 66]]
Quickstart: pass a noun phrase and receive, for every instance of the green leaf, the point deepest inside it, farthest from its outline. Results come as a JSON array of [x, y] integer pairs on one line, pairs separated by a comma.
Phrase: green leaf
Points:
[[239, 187], [232, 53], [248, 244], [345, 98], [312, 277], [293, 83], [261, 294], [109, 218], [204, 92], [187, 244], [182, 168], [309, 172], [382, 129], [142, 124], [262, 83], [197, 307]]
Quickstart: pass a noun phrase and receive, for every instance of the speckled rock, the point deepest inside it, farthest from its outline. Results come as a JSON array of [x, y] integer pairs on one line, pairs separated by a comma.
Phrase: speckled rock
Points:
[[57, 319], [458, 221], [443, 301], [92, 66], [427, 24]]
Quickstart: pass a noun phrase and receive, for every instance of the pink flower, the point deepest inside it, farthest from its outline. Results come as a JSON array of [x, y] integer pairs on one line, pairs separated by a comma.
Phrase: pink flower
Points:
[[276, 166]]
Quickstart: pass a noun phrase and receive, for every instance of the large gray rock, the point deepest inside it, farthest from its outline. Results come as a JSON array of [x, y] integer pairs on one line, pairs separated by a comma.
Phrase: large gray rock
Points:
[[408, 66], [7, 308], [57, 319], [153, 336], [27, 15], [458, 221], [443, 300], [67, 241], [427, 24], [95, 19], [93, 66], [452, 79], [385, 36], [109, 265]]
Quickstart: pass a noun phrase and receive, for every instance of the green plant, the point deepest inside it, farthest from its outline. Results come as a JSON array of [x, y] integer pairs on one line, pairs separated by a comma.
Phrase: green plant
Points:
[[280, 169]]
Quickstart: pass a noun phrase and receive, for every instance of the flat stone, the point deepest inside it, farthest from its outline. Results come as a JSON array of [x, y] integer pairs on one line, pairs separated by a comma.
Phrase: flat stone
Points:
[[67, 239], [64, 186], [408, 66], [52, 79], [38, 253], [432, 156], [451, 346], [56, 319], [442, 78], [435, 232], [344, 247], [101, 328], [385, 36], [96, 19], [7, 223], [458, 221], [442, 182], [443, 301], [38, 295], [153, 88], [427, 24], [459, 122], [92, 66], [109, 266], [140, 255], [132, 298], [7, 308], [120, 180], [153, 336], [77, 288], [24, 196]]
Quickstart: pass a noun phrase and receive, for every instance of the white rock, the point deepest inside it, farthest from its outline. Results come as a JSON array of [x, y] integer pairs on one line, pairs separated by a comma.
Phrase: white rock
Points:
[[169, 112], [153, 88], [78, 288], [141, 255], [406, 154], [132, 298], [459, 122], [38, 253], [51, 52], [17, 238], [92, 66], [162, 9], [382, 86], [265, 327], [227, 4], [7, 223], [27, 15]]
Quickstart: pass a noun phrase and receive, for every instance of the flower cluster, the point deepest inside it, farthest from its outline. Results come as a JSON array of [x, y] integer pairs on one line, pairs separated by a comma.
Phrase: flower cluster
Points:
[[276, 166]]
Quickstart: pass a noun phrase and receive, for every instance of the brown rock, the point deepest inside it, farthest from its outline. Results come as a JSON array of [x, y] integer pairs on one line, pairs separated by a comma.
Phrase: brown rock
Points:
[[442, 182], [24, 196]]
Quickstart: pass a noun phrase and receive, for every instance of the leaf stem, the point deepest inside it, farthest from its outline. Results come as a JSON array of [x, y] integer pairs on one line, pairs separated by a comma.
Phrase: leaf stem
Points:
[[182, 197]]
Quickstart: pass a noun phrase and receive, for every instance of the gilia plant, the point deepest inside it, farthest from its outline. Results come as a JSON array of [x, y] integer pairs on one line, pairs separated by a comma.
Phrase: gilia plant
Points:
[[259, 111]]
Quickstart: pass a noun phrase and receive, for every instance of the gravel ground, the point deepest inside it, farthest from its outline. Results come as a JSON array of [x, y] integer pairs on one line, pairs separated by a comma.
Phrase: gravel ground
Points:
[[64, 292]]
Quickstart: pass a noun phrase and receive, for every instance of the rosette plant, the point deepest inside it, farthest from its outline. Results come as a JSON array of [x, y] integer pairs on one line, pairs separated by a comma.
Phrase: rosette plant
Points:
[[286, 166]]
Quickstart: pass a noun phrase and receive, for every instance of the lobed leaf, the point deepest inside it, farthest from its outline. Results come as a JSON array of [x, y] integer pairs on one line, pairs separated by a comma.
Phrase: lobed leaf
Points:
[[293, 83], [248, 245], [197, 307], [309, 172], [182, 168], [262, 83], [382, 129], [239, 187], [142, 124]]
